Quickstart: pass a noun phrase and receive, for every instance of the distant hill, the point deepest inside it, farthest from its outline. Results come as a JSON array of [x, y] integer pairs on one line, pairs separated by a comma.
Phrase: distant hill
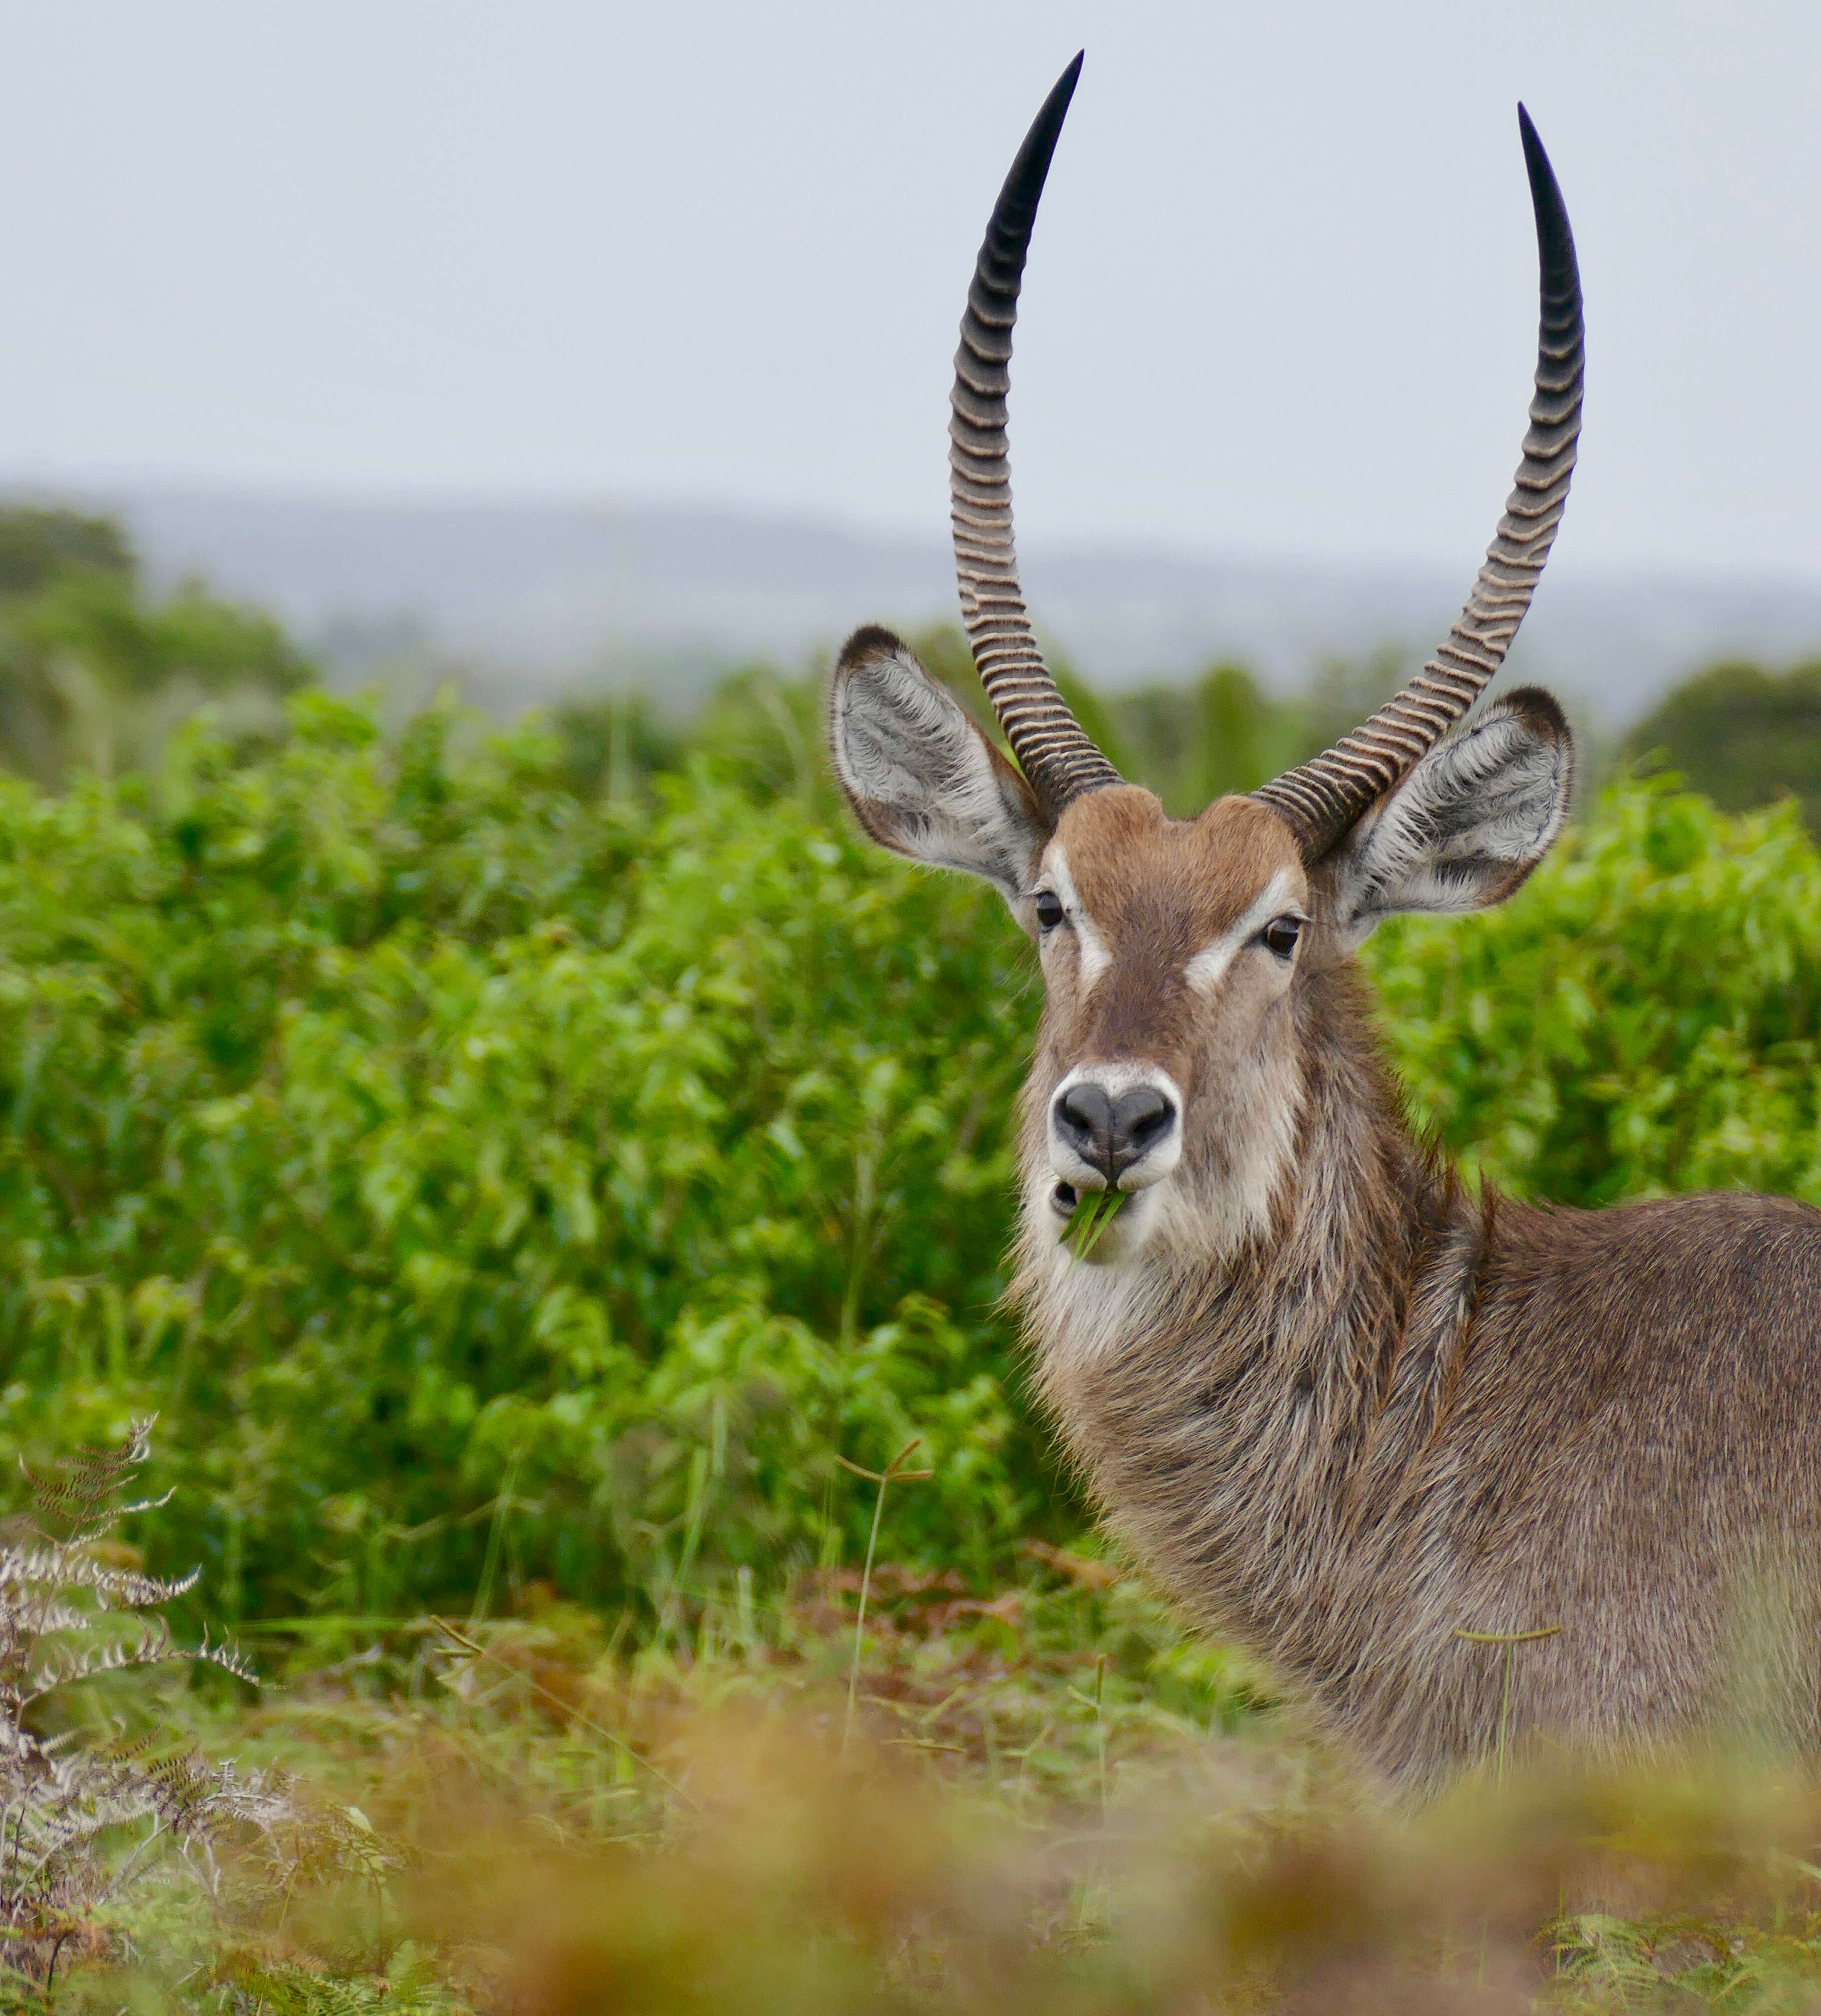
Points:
[[536, 597]]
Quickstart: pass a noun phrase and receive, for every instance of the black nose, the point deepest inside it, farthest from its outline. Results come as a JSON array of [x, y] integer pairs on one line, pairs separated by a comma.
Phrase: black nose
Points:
[[1110, 1134]]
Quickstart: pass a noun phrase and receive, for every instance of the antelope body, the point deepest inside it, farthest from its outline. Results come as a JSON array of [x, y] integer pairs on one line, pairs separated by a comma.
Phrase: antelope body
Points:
[[1344, 1408]]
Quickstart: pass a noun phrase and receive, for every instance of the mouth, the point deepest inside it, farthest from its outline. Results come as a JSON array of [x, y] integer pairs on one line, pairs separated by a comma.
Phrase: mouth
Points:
[[1086, 1215]]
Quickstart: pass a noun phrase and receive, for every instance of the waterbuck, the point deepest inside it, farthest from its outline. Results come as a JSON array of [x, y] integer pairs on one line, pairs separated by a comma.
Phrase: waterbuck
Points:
[[1342, 1407]]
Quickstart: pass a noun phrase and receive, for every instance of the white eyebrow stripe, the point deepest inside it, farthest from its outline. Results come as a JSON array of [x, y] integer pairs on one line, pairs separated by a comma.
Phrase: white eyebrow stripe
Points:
[[1095, 957], [1206, 970]]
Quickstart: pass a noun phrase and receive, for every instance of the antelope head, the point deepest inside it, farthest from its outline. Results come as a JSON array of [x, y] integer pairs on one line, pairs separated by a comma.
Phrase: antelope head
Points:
[[1185, 961]]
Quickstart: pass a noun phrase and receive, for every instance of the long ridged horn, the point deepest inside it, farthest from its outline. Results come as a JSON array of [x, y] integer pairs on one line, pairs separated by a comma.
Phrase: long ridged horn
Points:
[[1323, 797], [1056, 754]]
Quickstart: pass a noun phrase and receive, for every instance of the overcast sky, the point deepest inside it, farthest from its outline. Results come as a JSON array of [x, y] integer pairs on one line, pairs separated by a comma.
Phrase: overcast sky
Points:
[[1281, 299]]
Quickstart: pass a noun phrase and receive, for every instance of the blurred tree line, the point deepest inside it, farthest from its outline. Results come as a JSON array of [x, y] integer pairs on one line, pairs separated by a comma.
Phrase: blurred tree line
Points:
[[1189, 743], [1744, 736], [95, 670]]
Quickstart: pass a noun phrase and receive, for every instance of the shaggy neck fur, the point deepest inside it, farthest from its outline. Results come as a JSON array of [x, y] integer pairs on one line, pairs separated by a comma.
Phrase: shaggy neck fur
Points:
[[1254, 1420]]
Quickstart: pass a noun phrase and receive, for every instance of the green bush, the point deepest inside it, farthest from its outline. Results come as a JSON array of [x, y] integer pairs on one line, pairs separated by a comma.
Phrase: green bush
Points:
[[486, 1186], [1644, 1016], [467, 1176]]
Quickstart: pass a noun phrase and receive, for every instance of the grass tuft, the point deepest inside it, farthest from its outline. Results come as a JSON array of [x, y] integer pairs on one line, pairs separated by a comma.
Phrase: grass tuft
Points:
[[895, 1472]]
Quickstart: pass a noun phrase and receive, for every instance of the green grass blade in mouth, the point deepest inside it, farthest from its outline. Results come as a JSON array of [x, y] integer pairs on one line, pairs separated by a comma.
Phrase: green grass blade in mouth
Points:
[[1090, 1217]]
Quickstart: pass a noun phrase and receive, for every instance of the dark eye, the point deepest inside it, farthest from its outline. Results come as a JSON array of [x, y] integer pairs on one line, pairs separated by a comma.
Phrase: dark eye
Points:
[[1281, 934], [1049, 909]]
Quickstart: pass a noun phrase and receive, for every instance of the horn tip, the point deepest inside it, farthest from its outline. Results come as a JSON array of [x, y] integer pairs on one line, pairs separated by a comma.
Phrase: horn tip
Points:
[[1542, 175], [1554, 237], [1056, 106], [1030, 169]]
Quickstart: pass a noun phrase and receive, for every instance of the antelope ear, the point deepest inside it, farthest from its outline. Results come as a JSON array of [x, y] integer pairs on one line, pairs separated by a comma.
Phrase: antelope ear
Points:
[[921, 777], [1467, 824]]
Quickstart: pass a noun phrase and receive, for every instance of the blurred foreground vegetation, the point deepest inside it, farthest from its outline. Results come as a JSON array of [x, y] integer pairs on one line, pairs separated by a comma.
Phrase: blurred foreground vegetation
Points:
[[1048, 1803]]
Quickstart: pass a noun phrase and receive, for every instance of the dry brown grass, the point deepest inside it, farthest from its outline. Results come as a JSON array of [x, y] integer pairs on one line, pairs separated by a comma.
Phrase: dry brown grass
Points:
[[559, 1829]]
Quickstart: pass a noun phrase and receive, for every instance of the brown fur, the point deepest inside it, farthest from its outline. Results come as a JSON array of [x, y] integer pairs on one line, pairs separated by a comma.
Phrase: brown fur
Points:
[[1344, 1409], [1158, 889], [1394, 1410]]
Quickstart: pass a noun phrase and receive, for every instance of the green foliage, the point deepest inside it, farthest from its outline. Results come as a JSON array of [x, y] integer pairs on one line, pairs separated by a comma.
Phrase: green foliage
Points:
[[489, 1183], [446, 1159], [764, 734], [95, 673], [613, 745], [37, 545], [1744, 736], [1645, 1017], [1193, 744]]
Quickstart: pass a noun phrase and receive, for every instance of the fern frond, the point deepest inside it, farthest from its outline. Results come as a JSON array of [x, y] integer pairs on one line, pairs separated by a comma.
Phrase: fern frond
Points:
[[151, 1648], [72, 1567], [288, 1989], [228, 1656], [53, 1617], [81, 1816]]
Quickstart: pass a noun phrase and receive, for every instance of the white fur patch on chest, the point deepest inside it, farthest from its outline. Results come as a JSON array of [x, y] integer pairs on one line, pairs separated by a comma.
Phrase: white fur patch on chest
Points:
[[1086, 1314]]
